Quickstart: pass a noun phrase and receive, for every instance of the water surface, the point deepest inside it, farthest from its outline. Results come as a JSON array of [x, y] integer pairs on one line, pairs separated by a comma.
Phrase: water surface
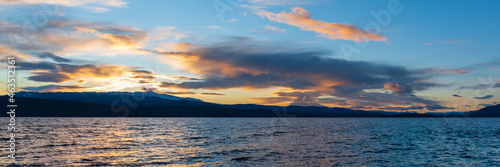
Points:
[[256, 141]]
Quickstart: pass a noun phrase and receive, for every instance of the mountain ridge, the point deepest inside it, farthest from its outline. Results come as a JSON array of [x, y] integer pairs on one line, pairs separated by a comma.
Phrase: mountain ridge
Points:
[[143, 104]]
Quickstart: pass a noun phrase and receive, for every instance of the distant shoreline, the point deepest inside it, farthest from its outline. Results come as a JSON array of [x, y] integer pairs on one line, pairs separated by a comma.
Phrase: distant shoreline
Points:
[[35, 107]]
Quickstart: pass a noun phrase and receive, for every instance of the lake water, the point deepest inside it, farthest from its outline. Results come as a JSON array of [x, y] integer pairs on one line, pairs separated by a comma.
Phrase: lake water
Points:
[[255, 141]]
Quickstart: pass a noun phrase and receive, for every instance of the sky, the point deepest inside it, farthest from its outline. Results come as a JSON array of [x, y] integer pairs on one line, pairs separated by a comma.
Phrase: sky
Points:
[[392, 55]]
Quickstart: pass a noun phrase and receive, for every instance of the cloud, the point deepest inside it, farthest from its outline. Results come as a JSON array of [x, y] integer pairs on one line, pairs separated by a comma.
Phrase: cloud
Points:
[[54, 88], [478, 86], [271, 100], [213, 94], [302, 98], [437, 107], [484, 97], [6, 51], [275, 29], [497, 85], [53, 57], [69, 3], [398, 88], [389, 105], [430, 108], [248, 64], [144, 89], [180, 93], [162, 32], [100, 71], [97, 9], [455, 95], [280, 2], [299, 17], [450, 41], [449, 71], [59, 72], [184, 78], [487, 105], [347, 103], [36, 66], [73, 37], [212, 27], [49, 77]]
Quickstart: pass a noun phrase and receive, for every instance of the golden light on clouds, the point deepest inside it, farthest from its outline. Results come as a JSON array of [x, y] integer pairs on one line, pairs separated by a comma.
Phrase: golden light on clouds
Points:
[[301, 18]]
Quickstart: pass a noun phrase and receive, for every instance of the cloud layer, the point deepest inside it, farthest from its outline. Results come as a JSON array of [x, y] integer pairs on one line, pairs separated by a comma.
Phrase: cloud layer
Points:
[[301, 18], [249, 64]]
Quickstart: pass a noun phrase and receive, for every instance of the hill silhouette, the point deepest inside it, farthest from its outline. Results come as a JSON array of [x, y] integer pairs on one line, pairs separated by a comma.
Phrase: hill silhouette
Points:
[[150, 104]]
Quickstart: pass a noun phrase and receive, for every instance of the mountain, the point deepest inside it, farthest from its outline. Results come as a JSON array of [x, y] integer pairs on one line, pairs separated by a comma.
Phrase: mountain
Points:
[[490, 111], [31, 107], [151, 104], [115, 98]]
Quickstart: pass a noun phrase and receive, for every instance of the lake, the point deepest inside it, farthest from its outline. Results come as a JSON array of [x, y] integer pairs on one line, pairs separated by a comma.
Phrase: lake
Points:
[[255, 141]]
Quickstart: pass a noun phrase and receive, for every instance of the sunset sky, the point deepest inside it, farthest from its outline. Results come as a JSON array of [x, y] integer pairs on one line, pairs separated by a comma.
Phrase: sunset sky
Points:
[[424, 56]]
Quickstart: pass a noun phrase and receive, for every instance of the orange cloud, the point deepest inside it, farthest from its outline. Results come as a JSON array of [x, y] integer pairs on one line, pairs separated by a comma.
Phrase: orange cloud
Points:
[[299, 17], [398, 88], [271, 100], [131, 41], [73, 37], [94, 71]]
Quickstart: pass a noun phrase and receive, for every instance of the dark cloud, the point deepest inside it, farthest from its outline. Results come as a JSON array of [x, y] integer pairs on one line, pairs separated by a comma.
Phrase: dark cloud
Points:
[[213, 94], [430, 108], [144, 82], [36, 66], [484, 97], [141, 72], [478, 86], [437, 107], [487, 105], [389, 99], [147, 77], [244, 63], [185, 78], [180, 93], [49, 77], [60, 72], [51, 88], [53, 57], [243, 80], [144, 89], [497, 85], [301, 98], [455, 95], [166, 84]]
